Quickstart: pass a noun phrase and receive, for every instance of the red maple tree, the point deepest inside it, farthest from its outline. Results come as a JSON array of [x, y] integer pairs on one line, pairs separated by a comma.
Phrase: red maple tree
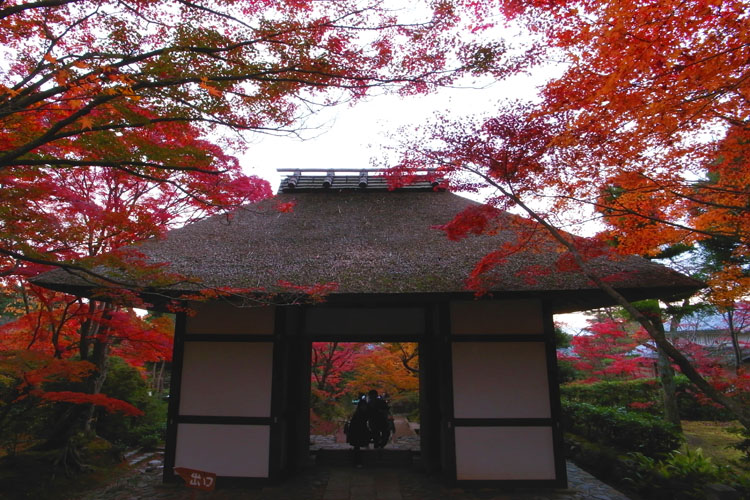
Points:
[[609, 351], [644, 130], [122, 118], [330, 362], [156, 92]]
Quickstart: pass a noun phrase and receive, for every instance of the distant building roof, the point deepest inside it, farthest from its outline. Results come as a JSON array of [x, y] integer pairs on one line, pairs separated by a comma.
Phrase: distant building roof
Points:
[[373, 241]]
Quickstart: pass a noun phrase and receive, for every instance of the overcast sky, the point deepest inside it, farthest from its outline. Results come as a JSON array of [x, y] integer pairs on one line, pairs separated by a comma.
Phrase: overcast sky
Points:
[[351, 136]]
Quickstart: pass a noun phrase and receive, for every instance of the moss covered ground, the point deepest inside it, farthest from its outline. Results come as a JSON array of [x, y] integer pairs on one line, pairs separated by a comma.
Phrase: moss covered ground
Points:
[[715, 439]]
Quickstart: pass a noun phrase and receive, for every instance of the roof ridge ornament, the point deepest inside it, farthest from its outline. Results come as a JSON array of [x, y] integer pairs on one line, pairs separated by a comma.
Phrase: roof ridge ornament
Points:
[[328, 179], [293, 179], [361, 179], [319, 171], [434, 180]]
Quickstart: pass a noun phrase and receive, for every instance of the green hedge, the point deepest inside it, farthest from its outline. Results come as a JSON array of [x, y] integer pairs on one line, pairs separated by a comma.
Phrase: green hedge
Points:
[[624, 430], [616, 394], [647, 396]]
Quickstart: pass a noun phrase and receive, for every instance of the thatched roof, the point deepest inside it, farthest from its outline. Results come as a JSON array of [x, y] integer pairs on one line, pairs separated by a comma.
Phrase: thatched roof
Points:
[[374, 243]]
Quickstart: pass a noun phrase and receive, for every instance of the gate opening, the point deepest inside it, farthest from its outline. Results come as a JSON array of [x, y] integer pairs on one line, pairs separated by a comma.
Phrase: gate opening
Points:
[[342, 374]]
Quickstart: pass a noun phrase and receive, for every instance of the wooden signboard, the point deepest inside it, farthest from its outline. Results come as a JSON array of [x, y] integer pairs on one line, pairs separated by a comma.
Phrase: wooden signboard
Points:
[[197, 479]]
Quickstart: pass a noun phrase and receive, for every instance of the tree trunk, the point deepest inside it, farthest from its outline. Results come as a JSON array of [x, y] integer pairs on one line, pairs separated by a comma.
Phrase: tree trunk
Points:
[[669, 390], [734, 335], [327, 368], [162, 365], [157, 378], [666, 375], [94, 347], [100, 358]]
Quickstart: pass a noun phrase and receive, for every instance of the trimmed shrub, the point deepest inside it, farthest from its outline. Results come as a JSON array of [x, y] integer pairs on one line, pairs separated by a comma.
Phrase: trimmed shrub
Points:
[[644, 395], [602, 461], [405, 403], [623, 430], [148, 430], [566, 371], [641, 394]]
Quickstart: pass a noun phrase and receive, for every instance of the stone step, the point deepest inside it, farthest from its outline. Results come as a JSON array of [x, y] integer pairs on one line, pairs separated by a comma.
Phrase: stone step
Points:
[[370, 457]]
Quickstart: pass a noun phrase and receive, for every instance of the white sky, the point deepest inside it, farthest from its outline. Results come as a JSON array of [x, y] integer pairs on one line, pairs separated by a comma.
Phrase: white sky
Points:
[[352, 136]]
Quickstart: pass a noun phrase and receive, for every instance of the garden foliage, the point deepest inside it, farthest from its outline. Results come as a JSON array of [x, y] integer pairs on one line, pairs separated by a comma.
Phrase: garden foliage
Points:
[[126, 383], [644, 395], [642, 126], [624, 430], [121, 120], [681, 475]]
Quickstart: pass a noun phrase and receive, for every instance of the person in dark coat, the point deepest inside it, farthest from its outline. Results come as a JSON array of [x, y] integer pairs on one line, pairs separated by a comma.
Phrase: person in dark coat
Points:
[[378, 414], [358, 432]]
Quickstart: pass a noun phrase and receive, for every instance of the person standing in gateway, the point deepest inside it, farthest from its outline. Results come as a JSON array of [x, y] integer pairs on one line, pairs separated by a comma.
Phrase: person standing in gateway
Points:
[[357, 431], [377, 419]]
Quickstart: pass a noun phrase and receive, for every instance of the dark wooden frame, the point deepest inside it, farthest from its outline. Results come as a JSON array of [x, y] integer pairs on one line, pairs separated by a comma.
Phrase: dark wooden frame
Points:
[[289, 423], [174, 418], [554, 421]]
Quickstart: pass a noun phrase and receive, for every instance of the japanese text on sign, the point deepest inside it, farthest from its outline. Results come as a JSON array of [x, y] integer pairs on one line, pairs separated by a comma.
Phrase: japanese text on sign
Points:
[[198, 479]]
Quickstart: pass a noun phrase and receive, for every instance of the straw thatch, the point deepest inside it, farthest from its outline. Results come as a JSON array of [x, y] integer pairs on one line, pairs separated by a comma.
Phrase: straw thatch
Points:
[[375, 242]]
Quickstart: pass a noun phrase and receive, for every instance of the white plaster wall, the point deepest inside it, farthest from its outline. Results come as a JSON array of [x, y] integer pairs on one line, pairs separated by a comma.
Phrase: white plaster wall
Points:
[[500, 380], [227, 379], [494, 317], [504, 453], [225, 450], [223, 318]]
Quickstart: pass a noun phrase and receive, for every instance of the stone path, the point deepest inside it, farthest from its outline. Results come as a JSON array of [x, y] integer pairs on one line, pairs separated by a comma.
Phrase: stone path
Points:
[[403, 439], [398, 484], [346, 483], [332, 442]]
